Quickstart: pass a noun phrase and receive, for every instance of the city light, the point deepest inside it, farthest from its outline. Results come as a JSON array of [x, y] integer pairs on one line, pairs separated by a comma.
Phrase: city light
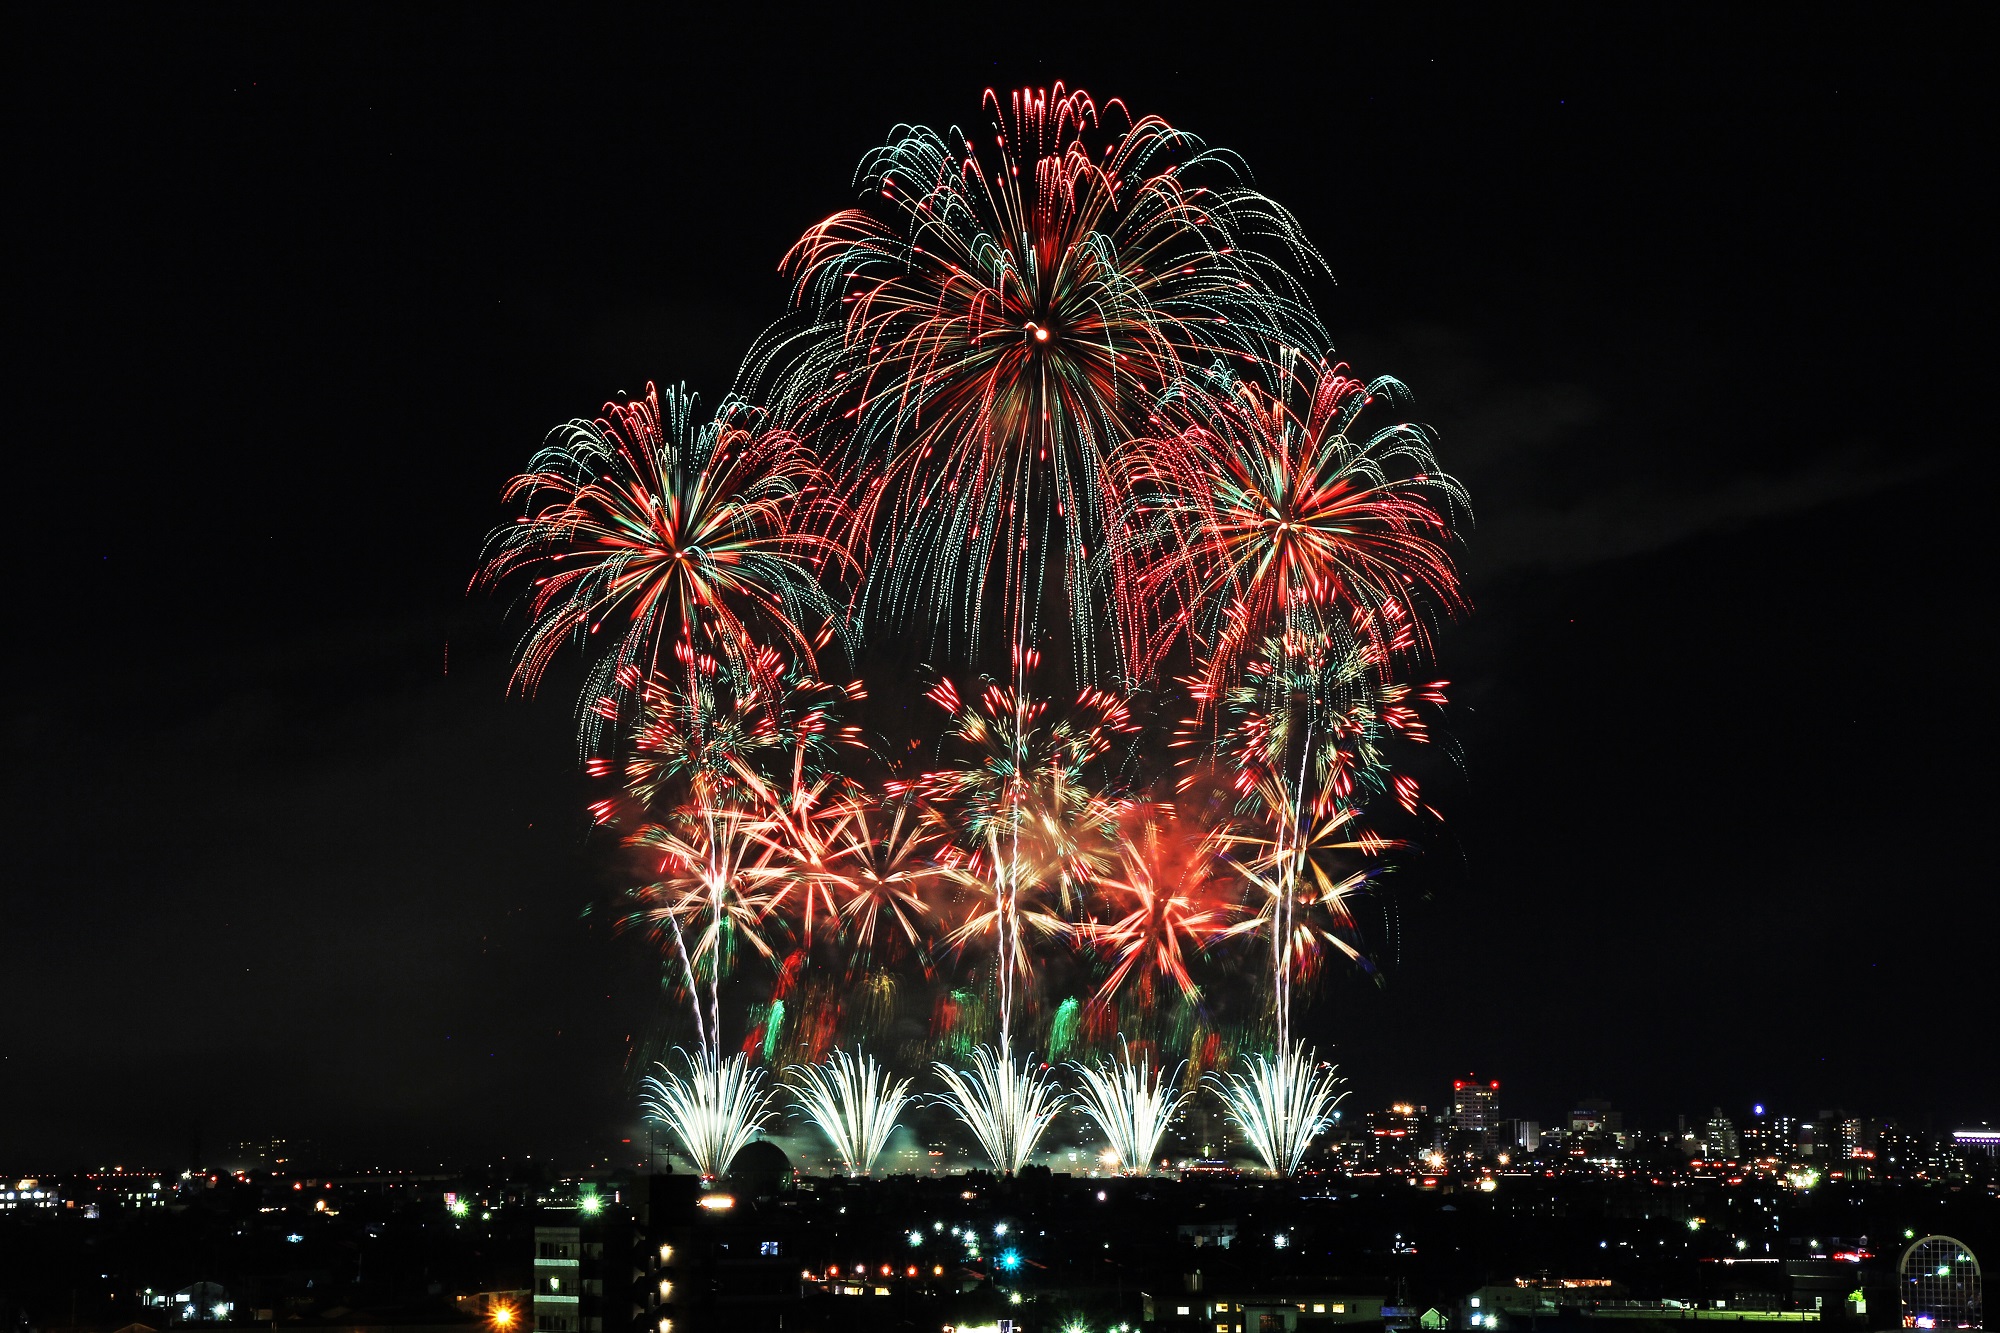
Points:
[[503, 1317], [591, 1204], [1010, 1260], [916, 1238], [717, 1202]]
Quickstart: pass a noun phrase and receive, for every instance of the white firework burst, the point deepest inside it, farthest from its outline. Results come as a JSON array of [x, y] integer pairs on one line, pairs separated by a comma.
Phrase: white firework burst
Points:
[[853, 1101], [712, 1110], [1007, 1107], [1131, 1102], [1280, 1104]]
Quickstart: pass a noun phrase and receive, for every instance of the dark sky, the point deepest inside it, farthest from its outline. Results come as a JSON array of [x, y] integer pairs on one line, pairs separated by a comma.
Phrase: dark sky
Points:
[[1700, 312]]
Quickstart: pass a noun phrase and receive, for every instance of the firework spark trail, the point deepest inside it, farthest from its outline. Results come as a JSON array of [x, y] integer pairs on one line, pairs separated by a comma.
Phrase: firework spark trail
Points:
[[1285, 879], [1326, 699], [804, 829], [1307, 732], [712, 1110], [1132, 1102], [1003, 893], [1033, 773], [1281, 1104], [1259, 514], [853, 1101], [1006, 1106], [715, 873]]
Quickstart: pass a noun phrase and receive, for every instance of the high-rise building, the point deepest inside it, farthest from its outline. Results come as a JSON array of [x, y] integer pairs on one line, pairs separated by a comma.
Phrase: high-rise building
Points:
[[1475, 1107], [1719, 1140], [1984, 1142]]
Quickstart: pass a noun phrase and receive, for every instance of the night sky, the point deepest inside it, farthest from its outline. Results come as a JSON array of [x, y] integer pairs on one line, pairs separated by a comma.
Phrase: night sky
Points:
[[1700, 313]]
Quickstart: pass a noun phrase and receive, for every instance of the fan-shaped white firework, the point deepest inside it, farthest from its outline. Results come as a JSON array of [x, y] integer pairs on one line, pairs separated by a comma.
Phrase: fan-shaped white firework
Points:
[[712, 1110], [1281, 1104], [1131, 1102], [1006, 1107], [853, 1101]]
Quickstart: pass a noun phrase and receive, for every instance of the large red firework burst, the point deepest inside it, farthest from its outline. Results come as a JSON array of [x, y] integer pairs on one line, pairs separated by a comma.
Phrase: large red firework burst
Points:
[[664, 525], [997, 318], [1167, 899], [1257, 511]]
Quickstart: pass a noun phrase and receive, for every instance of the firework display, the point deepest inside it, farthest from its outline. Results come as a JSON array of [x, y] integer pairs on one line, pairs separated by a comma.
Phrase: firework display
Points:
[[1052, 412], [1132, 1103], [1007, 1105], [854, 1101], [1280, 1103], [712, 1109]]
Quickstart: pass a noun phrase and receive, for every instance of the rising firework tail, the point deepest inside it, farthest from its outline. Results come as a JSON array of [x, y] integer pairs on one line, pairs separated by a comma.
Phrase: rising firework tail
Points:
[[1029, 819], [709, 896]]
